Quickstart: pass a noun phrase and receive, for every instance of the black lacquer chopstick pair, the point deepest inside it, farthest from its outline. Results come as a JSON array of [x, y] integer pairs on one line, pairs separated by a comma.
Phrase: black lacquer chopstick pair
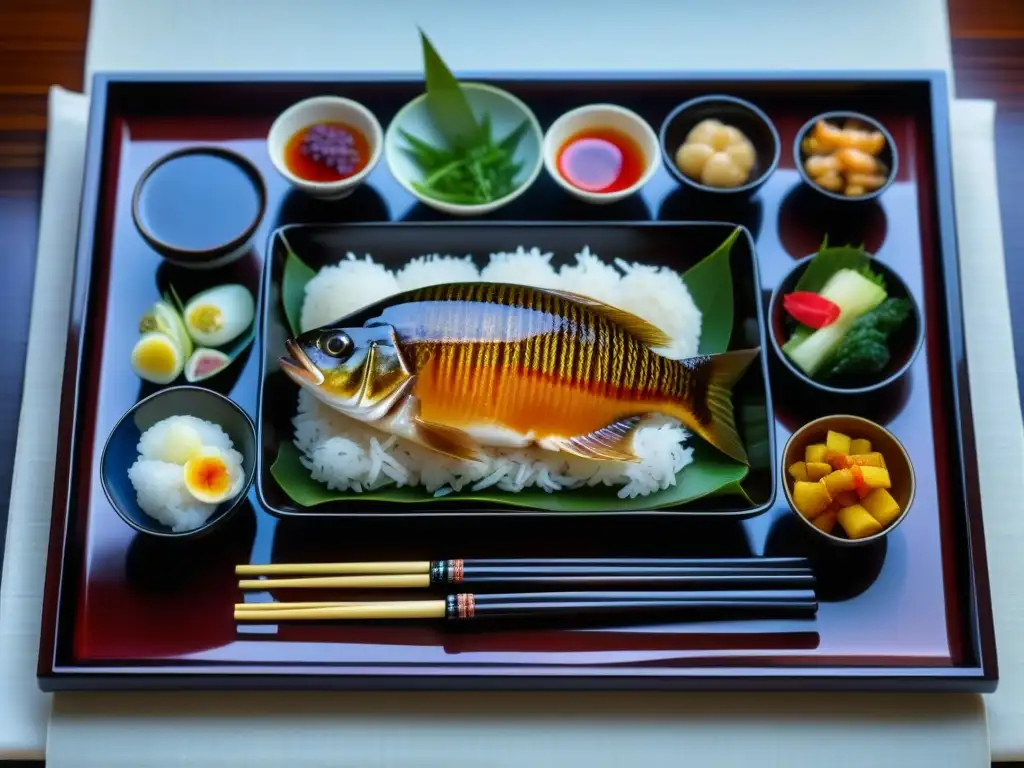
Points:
[[733, 587]]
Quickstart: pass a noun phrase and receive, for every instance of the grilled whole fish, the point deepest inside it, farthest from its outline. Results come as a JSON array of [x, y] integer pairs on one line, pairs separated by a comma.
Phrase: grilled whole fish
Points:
[[460, 366]]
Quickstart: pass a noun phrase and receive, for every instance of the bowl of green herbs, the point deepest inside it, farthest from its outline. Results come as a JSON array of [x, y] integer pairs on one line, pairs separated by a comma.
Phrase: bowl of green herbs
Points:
[[463, 148], [845, 322]]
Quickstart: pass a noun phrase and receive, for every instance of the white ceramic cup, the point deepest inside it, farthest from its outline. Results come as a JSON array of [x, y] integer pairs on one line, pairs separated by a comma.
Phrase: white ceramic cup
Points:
[[601, 116], [324, 109]]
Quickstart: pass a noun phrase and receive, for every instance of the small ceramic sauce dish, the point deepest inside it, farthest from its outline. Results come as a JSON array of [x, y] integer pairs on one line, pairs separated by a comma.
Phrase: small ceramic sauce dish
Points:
[[601, 153], [326, 146], [122, 451], [199, 207]]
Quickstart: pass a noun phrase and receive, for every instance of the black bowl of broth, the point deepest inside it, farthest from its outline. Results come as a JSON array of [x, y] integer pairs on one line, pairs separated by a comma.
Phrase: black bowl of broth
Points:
[[199, 207]]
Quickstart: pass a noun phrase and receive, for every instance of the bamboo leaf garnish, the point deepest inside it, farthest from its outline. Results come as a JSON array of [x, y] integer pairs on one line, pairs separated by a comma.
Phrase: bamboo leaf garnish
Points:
[[485, 130], [297, 275], [446, 101], [710, 284], [174, 298], [510, 142]]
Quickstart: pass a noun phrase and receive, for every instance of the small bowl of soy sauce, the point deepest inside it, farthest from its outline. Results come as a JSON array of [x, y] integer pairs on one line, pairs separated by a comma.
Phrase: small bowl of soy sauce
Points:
[[200, 207]]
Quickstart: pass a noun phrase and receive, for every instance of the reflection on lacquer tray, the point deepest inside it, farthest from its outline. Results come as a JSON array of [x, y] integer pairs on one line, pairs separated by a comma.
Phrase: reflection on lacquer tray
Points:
[[805, 218], [796, 402], [684, 204], [842, 573], [187, 282], [364, 204], [173, 566], [435, 538], [533, 645], [170, 600]]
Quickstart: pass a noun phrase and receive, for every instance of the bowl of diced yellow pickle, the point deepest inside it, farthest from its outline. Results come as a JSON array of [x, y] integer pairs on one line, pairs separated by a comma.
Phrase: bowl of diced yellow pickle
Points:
[[848, 479]]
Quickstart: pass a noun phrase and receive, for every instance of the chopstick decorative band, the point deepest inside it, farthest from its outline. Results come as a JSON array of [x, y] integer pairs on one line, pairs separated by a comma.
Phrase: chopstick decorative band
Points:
[[446, 572], [460, 606]]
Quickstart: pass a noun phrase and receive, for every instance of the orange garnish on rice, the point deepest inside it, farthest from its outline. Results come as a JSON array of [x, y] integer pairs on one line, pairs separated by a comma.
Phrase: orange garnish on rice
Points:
[[208, 476]]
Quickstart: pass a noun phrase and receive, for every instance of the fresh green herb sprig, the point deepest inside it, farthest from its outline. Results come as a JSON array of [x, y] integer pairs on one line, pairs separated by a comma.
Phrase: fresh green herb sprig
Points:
[[470, 174], [863, 349]]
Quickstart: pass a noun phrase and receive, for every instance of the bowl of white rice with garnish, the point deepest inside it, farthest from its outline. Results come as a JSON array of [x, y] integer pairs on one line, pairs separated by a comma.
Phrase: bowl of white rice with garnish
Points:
[[348, 456], [180, 462]]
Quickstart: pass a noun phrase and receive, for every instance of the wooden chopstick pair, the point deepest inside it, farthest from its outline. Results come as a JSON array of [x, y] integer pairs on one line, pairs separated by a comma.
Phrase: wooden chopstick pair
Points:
[[737, 586], [765, 573], [603, 604]]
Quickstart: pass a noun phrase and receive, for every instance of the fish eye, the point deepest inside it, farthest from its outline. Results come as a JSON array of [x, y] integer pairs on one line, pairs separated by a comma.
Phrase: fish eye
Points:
[[337, 345]]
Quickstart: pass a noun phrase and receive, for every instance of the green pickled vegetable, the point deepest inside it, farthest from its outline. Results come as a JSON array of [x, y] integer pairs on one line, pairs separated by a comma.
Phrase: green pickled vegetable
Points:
[[856, 295], [864, 348]]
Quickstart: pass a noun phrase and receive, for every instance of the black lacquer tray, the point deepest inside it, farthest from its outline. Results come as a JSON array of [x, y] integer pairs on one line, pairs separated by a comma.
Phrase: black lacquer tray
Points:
[[912, 613]]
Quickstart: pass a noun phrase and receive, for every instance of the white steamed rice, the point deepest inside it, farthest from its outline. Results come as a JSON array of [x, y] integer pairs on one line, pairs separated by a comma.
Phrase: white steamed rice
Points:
[[160, 484], [347, 455]]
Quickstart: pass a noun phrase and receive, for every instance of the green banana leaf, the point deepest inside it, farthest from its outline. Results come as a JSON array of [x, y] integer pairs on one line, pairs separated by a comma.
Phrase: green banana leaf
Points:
[[827, 262], [297, 275], [711, 473], [709, 282]]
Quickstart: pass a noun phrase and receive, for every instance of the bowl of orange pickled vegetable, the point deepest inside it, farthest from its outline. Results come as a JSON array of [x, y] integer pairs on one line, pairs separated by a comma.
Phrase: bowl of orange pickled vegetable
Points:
[[846, 156], [848, 479]]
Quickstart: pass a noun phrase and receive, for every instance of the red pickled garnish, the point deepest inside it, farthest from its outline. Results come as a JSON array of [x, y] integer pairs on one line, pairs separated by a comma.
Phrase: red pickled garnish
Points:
[[811, 309]]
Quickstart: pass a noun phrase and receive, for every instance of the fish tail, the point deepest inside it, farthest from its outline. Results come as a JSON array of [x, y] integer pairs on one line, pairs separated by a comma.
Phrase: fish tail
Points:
[[718, 426]]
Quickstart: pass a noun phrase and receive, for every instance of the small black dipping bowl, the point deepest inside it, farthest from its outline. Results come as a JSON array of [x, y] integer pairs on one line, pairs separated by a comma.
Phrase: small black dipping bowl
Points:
[[904, 343], [199, 207], [120, 452], [747, 118], [889, 156]]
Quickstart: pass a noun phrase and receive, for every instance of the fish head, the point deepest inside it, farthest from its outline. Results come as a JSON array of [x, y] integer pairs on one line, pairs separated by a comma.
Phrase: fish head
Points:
[[359, 371]]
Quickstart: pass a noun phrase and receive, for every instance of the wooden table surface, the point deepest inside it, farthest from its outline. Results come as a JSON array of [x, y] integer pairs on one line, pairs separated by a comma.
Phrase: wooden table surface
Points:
[[42, 42]]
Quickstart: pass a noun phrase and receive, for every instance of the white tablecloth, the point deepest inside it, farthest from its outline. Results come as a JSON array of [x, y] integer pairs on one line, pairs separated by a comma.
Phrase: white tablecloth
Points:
[[133, 729]]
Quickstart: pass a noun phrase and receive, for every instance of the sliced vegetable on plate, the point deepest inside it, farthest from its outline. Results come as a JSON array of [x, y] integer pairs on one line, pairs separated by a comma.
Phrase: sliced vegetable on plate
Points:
[[841, 316], [200, 338]]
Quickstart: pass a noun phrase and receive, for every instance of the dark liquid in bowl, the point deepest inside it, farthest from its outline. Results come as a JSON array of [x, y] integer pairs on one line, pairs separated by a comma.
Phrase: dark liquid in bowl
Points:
[[199, 201], [601, 160]]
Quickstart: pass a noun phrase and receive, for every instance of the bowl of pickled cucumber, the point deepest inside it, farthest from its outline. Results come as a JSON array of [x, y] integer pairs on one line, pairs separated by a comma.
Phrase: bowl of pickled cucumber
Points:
[[848, 479]]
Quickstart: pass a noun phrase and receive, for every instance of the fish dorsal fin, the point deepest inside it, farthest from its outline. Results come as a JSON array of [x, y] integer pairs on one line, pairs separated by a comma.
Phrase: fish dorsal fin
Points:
[[611, 443], [644, 331]]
